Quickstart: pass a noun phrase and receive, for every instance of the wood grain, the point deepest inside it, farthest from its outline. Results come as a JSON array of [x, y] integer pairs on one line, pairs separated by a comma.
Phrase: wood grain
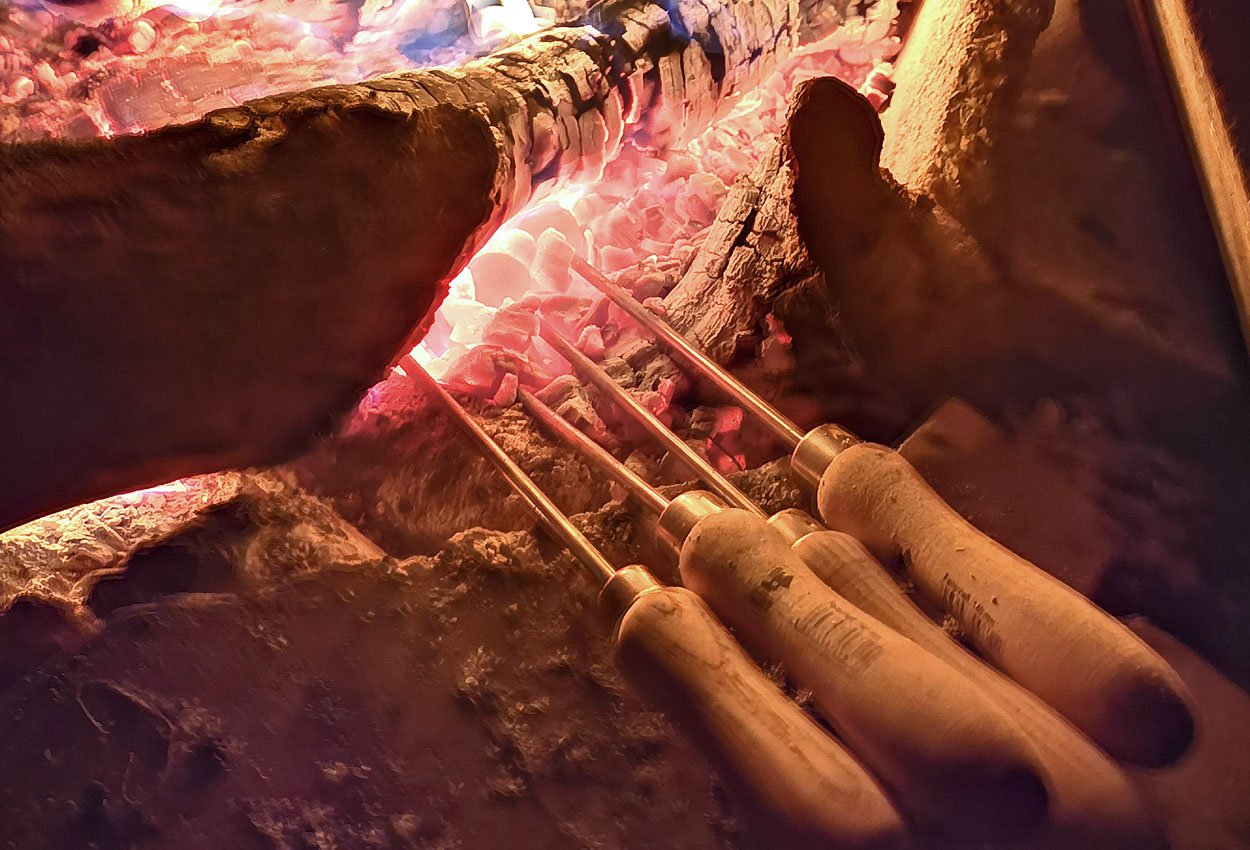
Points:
[[954, 760], [1038, 630], [1092, 802], [673, 643]]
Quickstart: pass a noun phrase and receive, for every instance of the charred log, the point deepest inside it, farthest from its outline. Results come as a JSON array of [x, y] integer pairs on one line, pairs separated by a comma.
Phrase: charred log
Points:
[[969, 296], [754, 264], [62, 576], [58, 559], [211, 295], [751, 254]]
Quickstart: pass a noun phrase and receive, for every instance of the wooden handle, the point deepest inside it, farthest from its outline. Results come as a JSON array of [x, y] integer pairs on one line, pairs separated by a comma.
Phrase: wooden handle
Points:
[[802, 775], [1038, 630], [953, 760], [1172, 34], [1092, 802]]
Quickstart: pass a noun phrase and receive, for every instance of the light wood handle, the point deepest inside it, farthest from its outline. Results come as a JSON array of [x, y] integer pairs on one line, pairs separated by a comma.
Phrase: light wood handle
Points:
[[803, 776], [1039, 631], [1092, 801], [952, 759]]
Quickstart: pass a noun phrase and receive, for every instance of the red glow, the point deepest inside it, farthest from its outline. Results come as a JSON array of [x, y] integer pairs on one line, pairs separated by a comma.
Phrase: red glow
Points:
[[117, 66]]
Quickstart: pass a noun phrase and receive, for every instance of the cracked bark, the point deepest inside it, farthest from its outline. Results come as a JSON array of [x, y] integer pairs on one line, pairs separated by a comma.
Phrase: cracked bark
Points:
[[62, 577], [752, 254]]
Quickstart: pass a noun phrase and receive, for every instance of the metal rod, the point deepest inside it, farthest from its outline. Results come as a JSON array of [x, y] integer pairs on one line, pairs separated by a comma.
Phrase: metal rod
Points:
[[717, 483], [595, 454], [785, 430], [552, 519]]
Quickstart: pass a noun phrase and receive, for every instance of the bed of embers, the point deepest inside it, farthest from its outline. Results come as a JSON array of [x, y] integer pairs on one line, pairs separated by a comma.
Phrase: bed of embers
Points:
[[369, 646]]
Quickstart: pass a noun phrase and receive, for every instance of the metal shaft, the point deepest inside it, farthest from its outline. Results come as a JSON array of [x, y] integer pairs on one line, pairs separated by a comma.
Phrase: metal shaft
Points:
[[717, 483], [785, 430], [595, 454], [552, 519]]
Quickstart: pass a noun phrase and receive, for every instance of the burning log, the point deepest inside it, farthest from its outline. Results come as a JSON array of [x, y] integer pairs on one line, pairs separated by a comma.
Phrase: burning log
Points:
[[61, 577], [209, 295], [751, 255], [397, 708]]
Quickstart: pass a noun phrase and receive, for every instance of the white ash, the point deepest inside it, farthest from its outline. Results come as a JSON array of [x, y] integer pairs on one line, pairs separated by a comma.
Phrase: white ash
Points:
[[77, 70], [644, 219]]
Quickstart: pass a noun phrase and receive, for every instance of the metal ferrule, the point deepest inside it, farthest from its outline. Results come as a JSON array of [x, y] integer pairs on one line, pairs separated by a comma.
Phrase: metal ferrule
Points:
[[816, 451], [794, 525], [682, 515], [624, 589]]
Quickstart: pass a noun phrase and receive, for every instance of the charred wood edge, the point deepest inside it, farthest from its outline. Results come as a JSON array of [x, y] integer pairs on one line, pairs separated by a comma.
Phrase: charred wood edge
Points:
[[1170, 38], [148, 209], [264, 531], [59, 558], [958, 80], [956, 84]]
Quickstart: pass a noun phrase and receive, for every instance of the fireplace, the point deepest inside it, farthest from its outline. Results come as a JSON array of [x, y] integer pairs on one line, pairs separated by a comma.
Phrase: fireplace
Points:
[[233, 233]]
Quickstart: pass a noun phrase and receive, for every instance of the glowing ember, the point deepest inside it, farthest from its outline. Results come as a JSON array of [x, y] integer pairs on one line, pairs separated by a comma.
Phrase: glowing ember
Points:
[[644, 218], [130, 65], [96, 11], [76, 70]]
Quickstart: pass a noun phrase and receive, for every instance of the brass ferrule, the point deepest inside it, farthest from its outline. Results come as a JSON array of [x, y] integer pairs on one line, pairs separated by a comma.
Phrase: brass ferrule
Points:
[[624, 589], [794, 525], [816, 451], [682, 515]]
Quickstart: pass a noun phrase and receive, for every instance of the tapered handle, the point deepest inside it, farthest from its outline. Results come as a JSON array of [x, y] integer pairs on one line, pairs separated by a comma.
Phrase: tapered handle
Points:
[[952, 759], [1043, 634], [788, 762], [1092, 801]]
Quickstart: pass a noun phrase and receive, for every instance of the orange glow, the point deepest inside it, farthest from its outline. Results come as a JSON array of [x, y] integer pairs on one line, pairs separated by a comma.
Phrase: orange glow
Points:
[[132, 65], [647, 210]]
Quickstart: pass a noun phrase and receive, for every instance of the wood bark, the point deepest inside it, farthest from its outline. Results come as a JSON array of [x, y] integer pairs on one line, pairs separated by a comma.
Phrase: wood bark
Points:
[[62, 577], [263, 673], [955, 86], [957, 81], [213, 294]]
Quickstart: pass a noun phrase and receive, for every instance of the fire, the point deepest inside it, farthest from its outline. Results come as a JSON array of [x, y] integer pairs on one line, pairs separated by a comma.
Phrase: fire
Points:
[[101, 10], [119, 66], [493, 22], [644, 218]]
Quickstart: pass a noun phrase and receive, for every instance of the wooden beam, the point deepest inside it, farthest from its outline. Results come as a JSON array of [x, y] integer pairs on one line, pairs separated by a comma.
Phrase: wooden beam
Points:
[[1171, 34]]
